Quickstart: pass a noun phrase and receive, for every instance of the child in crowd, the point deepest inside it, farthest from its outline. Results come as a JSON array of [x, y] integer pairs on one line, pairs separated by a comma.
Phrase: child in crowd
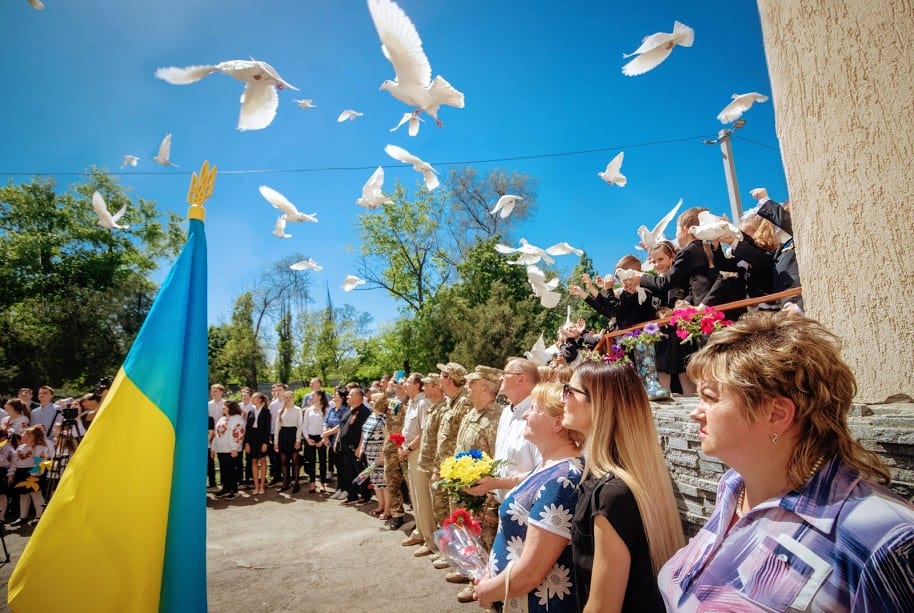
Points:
[[31, 452]]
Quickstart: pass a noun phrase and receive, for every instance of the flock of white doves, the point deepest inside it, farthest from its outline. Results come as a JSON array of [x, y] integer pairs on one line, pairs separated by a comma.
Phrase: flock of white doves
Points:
[[414, 86]]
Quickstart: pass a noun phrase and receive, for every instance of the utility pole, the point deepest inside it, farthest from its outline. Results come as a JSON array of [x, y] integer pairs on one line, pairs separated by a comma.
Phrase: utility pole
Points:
[[726, 151]]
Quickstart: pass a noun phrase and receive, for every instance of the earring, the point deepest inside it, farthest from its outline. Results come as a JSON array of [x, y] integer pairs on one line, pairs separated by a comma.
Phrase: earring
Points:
[[775, 438]]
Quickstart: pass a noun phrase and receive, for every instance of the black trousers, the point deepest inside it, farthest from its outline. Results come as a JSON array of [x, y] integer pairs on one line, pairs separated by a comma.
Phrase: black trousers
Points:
[[351, 467], [311, 454], [230, 474], [211, 469]]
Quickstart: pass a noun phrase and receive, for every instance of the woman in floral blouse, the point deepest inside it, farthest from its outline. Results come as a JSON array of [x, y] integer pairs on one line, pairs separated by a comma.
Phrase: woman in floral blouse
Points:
[[530, 567], [227, 446]]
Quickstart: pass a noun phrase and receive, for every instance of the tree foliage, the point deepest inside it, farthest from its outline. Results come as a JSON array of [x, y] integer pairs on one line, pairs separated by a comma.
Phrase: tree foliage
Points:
[[401, 247], [243, 354], [72, 294]]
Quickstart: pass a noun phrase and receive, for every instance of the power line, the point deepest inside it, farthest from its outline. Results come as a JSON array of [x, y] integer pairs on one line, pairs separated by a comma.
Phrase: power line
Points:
[[755, 142], [253, 171]]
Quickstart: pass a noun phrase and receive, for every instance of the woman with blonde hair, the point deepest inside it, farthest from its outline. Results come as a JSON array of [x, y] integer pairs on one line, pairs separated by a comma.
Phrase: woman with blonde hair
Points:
[[626, 525], [530, 567], [803, 519]]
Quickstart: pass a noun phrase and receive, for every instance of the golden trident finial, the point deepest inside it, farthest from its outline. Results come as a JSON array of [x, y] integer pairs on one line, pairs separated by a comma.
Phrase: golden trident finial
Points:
[[201, 188]]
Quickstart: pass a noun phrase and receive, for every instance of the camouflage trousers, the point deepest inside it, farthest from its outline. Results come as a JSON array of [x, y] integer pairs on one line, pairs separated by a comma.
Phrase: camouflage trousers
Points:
[[393, 475], [441, 506], [487, 517]]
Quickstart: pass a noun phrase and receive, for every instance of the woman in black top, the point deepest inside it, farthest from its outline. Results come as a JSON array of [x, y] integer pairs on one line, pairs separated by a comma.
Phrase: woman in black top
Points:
[[626, 524]]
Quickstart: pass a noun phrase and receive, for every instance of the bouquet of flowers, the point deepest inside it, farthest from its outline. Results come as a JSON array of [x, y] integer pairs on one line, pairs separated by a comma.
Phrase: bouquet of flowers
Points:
[[397, 438], [692, 322], [362, 476], [464, 470], [458, 540]]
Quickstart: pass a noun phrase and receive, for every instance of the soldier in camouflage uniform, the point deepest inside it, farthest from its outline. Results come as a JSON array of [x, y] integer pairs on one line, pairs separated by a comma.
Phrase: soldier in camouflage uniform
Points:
[[478, 430], [393, 469], [453, 377], [429, 445]]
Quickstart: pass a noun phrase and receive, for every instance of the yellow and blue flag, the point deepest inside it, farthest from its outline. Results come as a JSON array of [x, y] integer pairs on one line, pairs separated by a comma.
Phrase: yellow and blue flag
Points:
[[126, 527]]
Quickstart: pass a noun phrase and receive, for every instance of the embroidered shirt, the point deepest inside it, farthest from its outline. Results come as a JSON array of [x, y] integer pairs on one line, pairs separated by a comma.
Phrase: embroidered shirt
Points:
[[841, 544], [510, 445]]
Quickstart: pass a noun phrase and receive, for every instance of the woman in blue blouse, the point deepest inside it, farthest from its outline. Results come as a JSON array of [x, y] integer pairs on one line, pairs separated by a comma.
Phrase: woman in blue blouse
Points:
[[530, 567]]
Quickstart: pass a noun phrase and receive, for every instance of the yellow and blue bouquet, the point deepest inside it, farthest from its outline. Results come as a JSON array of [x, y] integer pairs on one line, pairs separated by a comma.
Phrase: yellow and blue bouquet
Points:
[[463, 470]]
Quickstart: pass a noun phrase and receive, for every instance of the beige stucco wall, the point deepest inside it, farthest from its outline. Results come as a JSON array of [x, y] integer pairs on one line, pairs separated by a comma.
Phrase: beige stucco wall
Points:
[[842, 79]]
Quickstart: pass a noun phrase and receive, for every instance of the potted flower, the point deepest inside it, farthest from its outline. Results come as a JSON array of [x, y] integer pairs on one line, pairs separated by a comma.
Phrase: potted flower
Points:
[[640, 344], [695, 324]]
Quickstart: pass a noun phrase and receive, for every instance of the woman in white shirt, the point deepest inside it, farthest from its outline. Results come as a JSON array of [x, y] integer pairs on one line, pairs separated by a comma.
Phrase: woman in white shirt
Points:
[[227, 445], [17, 416], [313, 427], [287, 440]]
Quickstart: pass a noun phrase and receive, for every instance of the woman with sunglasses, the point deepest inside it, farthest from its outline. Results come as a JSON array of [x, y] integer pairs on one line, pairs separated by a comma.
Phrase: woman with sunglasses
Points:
[[625, 525]]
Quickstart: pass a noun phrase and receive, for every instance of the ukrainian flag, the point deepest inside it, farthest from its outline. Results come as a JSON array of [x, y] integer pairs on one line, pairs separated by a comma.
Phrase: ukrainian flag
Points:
[[126, 528]]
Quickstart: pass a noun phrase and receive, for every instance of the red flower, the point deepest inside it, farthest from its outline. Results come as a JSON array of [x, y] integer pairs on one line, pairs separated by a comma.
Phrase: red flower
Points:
[[462, 518], [397, 438]]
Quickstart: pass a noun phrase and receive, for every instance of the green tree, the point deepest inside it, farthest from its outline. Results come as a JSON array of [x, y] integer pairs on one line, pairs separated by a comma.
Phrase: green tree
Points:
[[243, 354], [401, 250], [73, 294], [284, 349], [219, 371]]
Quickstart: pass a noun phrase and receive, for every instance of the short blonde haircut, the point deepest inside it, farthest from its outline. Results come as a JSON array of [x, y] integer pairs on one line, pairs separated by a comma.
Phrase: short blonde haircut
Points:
[[548, 397], [782, 355]]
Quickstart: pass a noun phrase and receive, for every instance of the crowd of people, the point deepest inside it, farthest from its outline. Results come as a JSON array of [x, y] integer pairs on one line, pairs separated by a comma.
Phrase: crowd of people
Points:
[[36, 441], [754, 260], [581, 514]]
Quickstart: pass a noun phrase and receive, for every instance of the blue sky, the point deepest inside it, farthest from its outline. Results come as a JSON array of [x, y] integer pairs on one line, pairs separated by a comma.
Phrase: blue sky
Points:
[[539, 78]]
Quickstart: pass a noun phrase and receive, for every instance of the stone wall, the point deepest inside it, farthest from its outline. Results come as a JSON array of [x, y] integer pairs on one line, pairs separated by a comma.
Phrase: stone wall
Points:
[[887, 429]]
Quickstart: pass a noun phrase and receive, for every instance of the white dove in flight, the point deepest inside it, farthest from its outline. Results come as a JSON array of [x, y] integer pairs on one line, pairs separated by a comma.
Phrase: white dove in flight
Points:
[[163, 157], [402, 46], [429, 174], [372, 196], [348, 114], [308, 103], [656, 48], [350, 283], [105, 219], [650, 238], [130, 160], [413, 120], [711, 227], [539, 354], [288, 209], [279, 229], [505, 205], [624, 273], [308, 264], [259, 100], [741, 103], [542, 289], [531, 254], [38, 5], [612, 175]]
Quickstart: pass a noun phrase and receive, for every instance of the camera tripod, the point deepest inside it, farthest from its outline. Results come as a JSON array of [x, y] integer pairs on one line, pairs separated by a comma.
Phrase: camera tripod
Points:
[[67, 440]]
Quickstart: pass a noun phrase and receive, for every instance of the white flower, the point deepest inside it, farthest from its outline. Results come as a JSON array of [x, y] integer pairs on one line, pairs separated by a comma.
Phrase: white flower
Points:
[[518, 513], [575, 466], [557, 517], [566, 482], [516, 604], [556, 583], [515, 548]]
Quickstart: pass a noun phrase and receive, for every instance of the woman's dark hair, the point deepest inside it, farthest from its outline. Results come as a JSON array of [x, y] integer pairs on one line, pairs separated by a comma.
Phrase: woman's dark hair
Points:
[[233, 407], [322, 401], [20, 406], [343, 393]]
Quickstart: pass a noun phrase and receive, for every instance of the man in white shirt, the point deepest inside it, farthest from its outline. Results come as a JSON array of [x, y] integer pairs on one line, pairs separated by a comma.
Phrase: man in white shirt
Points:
[[216, 392], [418, 480], [48, 413], [276, 392]]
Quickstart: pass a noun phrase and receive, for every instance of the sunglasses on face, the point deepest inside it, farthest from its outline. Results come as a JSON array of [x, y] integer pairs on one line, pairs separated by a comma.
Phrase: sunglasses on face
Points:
[[568, 389]]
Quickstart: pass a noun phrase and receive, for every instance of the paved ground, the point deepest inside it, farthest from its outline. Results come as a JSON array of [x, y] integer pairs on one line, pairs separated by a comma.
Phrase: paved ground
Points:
[[306, 553]]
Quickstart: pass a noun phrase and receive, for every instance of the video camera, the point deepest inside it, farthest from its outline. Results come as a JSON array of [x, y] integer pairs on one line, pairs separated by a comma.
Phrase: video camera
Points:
[[103, 384]]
